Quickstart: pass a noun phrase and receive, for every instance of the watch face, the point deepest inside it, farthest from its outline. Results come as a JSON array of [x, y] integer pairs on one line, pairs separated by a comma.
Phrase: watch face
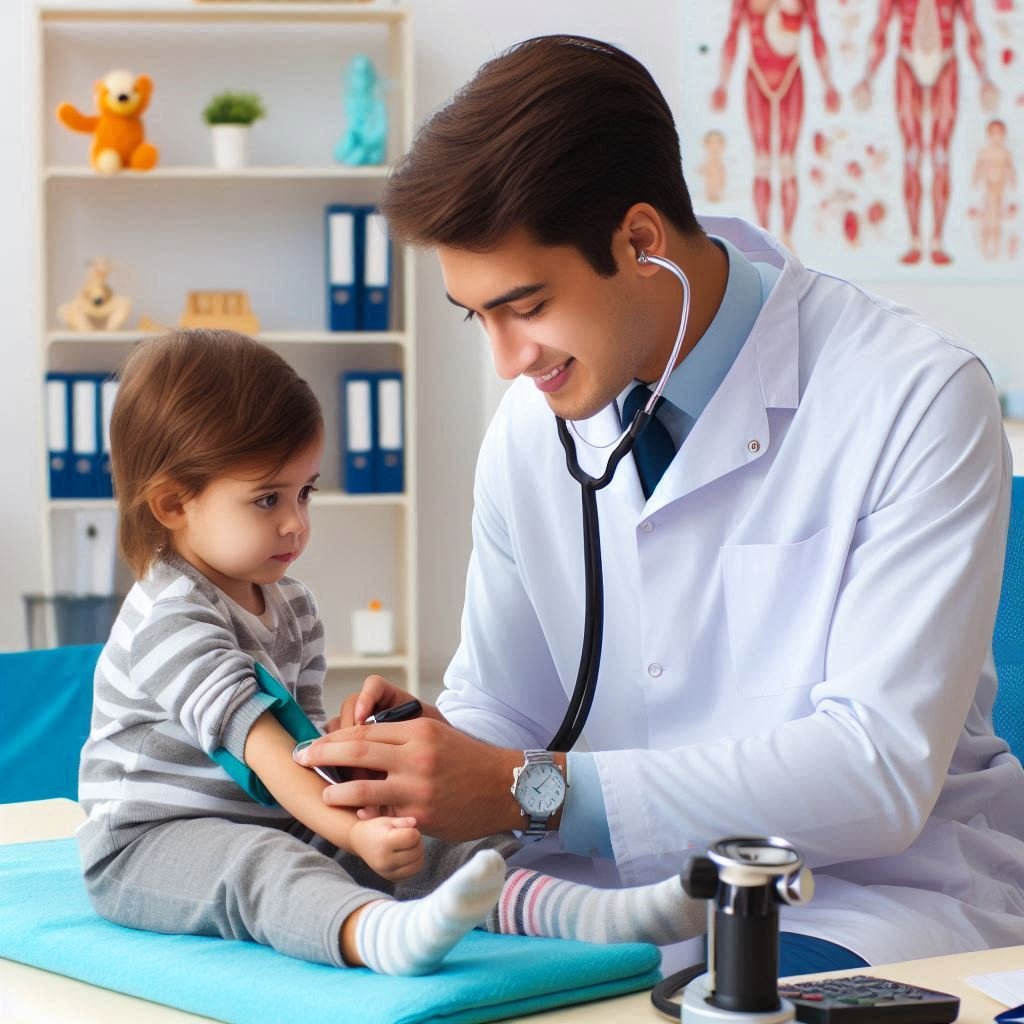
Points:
[[540, 789]]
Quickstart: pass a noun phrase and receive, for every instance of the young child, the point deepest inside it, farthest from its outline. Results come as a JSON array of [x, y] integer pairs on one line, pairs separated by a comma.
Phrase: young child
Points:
[[216, 446]]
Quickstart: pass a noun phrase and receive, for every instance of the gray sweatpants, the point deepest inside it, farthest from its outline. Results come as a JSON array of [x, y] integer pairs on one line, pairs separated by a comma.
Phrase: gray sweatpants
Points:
[[291, 890]]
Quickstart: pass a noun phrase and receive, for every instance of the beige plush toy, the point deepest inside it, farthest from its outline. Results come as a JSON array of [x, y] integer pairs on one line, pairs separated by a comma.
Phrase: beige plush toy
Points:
[[95, 307], [119, 139]]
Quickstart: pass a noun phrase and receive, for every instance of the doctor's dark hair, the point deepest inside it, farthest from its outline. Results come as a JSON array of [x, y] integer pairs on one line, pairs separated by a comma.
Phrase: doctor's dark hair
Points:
[[194, 405], [559, 135]]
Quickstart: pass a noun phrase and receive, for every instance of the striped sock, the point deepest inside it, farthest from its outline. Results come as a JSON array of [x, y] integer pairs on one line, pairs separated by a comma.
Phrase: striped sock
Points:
[[535, 904], [414, 937]]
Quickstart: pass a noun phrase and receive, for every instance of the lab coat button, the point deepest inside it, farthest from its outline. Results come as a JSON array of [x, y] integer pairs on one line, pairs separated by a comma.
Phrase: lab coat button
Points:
[[754, 447], [647, 526], [654, 670]]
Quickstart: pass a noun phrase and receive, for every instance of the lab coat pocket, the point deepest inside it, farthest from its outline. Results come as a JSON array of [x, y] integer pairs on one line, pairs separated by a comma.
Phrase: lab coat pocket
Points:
[[778, 607]]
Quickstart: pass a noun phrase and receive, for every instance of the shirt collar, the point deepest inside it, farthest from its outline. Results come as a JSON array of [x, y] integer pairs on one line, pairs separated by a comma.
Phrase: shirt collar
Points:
[[694, 381]]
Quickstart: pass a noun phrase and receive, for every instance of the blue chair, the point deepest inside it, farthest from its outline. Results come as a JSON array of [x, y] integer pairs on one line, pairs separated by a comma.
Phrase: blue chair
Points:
[[45, 709], [1008, 638]]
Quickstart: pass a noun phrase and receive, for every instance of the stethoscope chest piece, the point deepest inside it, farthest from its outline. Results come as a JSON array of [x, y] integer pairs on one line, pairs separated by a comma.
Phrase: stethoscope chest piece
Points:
[[744, 879]]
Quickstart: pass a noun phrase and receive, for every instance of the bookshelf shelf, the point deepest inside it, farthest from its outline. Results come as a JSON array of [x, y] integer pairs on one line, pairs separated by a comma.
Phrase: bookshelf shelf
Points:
[[365, 12], [160, 175], [329, 498], [269, 337], [368, 663]]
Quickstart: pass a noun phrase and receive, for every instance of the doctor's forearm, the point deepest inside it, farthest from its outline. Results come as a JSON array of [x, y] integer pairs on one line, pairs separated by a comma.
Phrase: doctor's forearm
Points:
[[469, 796]]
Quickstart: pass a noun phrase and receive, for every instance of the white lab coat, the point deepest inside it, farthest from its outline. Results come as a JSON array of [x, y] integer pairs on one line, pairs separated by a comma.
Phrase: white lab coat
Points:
[[798, 622]]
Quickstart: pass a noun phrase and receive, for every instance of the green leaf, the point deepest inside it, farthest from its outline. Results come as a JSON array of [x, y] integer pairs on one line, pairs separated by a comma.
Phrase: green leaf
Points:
[[234, 108]]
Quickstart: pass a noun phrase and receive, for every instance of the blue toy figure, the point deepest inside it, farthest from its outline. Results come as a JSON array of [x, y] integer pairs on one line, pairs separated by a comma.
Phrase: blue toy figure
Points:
[[366, 134]]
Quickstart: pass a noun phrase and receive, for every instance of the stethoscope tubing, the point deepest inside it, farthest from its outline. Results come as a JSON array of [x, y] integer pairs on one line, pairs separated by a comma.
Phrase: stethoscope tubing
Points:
[[585, 687]]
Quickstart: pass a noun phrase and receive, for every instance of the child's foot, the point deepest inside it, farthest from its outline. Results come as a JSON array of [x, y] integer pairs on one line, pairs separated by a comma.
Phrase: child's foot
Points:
[[535, 904], [414, 937]]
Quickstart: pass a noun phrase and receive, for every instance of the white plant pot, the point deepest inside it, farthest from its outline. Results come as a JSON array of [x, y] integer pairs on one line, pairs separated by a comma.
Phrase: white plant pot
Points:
[[230, 146]]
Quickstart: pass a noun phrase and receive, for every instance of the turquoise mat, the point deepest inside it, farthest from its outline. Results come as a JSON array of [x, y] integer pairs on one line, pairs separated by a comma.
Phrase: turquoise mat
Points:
[[46, 921]]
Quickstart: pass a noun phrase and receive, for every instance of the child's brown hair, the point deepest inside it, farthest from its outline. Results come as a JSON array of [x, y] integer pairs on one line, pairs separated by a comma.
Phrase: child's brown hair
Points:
[[192, 406]]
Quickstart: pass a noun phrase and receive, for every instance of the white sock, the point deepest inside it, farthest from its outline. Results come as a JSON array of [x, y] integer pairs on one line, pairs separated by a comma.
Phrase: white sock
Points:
[[535, 904], [414, 937]]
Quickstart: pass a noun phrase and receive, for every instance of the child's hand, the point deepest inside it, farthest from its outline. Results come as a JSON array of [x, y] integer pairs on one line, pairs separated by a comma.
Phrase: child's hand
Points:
[[393, 847]]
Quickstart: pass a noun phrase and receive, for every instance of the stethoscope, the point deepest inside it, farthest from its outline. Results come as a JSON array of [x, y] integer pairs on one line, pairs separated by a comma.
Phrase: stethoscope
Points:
[[593, 630]]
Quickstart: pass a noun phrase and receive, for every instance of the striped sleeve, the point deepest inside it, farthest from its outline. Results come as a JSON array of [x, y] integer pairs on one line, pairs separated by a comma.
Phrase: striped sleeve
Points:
[[186, 659], [313, 666]]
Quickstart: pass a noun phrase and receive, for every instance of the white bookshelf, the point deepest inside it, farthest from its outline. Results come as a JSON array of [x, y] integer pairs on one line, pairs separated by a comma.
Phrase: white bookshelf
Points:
[[187, 225]]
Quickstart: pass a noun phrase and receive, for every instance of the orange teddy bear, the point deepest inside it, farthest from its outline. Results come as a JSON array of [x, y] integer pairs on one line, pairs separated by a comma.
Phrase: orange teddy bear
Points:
[[118, 136]]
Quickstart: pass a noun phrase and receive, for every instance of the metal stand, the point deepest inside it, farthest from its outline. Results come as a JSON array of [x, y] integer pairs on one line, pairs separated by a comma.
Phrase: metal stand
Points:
[[697, 1010]]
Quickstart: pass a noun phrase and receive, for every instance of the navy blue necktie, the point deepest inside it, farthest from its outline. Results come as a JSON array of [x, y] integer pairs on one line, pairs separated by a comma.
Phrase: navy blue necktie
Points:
[[654, 449]]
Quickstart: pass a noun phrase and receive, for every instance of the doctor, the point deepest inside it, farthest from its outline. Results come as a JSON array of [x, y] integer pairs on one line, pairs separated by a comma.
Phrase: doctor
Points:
[[800, 588]]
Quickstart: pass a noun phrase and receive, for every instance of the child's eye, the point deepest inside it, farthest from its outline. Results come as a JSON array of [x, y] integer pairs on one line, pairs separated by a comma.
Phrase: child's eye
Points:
[[469, 316], [267, 501], [306, 494]]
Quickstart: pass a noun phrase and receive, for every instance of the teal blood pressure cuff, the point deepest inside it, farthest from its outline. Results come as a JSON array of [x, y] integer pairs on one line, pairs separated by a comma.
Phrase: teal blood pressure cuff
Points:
[[293, 719]]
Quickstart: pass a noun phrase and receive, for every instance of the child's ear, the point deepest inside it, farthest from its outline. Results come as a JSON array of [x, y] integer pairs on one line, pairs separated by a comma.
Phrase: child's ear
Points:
[[167, 507]]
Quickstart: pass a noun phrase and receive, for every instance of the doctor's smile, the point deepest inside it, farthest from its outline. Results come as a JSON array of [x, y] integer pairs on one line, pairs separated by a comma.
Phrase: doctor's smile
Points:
[[553, 379]]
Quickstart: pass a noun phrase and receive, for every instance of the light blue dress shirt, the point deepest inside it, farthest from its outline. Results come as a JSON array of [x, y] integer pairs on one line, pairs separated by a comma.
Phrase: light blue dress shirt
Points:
[[693, 383]]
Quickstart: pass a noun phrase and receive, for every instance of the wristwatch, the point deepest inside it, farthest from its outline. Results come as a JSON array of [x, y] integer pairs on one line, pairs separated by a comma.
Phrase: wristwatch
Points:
[[539, 788]]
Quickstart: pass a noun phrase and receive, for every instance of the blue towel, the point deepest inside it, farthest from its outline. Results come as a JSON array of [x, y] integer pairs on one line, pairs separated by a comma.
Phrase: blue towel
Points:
[[46, 921]]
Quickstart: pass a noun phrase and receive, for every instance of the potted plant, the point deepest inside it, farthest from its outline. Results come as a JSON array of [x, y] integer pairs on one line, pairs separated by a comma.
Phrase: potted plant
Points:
[[229, 115]]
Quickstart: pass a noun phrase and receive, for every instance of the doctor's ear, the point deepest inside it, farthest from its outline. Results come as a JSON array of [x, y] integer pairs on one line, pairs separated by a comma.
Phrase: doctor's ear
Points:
[[642, 230]]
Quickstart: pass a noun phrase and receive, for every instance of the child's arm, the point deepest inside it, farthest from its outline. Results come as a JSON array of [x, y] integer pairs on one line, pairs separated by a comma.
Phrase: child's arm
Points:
[[393, 847]]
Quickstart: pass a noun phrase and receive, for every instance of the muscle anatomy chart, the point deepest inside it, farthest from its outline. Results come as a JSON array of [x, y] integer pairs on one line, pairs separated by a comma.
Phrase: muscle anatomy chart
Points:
[[878, 138]]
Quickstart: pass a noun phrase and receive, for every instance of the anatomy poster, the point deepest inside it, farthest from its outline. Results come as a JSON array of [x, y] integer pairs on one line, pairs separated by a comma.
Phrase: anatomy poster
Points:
[[878, 138]]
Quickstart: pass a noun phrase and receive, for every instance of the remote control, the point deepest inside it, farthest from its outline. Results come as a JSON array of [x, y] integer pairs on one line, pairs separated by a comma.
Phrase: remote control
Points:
[[863, 1000]]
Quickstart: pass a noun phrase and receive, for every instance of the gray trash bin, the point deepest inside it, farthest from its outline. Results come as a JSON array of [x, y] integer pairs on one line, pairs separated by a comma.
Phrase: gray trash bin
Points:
[[60, 620]]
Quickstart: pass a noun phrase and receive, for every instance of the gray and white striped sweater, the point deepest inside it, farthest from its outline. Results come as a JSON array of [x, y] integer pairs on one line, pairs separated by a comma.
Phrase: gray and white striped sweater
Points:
[[175, 682]]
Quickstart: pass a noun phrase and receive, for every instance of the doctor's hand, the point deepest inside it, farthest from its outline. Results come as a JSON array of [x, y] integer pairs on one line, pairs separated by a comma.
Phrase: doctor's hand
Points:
[[377, 694], [456, 787]]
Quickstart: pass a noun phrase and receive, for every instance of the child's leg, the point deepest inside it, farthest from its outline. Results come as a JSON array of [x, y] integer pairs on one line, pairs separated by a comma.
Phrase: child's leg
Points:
[[209, 876], [536, 904], [458, 885], [414, 937]]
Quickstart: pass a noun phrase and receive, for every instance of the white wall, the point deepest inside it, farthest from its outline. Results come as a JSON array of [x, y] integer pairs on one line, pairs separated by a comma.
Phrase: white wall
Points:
[[452, 38], [20, 387]]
